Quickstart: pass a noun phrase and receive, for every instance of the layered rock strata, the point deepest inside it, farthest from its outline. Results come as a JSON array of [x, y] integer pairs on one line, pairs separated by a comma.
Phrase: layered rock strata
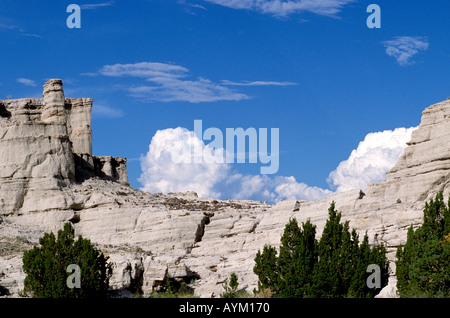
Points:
[[43, 142]]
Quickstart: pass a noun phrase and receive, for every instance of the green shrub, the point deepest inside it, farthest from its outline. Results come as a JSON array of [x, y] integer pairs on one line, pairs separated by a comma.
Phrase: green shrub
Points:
[[46, 267]]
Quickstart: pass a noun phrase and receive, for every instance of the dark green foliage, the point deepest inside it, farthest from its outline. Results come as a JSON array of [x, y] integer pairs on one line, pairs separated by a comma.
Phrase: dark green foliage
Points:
[[266, 268], [423, 264], [171, 285], [341, 268], [231, 287], [46, 267], [298, 254], [335, 266]]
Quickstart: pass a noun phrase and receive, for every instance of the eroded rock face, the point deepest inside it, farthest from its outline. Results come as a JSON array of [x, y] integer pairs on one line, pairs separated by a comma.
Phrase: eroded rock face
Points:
[[49, 176], [36, 159], [44, 143]]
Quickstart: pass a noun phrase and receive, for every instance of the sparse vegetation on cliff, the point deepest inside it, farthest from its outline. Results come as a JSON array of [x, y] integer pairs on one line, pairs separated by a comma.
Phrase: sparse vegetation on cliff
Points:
[[230, 287]]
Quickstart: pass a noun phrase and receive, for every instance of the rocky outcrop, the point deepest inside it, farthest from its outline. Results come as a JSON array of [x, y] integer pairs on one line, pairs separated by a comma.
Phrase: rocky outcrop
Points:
[[45, 143], [36, 158], [49, 176], [113, 168]]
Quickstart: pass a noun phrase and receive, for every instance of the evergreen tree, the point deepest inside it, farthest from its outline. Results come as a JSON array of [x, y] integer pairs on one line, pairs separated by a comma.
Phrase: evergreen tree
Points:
[[423, 264], [366, 256], [266, 269], [335, 266], [230, 286], [46, 267], [329, 270], [297, 258]]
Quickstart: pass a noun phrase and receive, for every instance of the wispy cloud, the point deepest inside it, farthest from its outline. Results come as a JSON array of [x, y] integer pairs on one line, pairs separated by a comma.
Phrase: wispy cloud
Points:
[[26, 82], [92, 6], [192, 8], [144, 70], [106, 111], [4, 26], [403, 48], [287, 7], [197, 6], [16, 28], [193, 91], [170, 83], [257, 83]]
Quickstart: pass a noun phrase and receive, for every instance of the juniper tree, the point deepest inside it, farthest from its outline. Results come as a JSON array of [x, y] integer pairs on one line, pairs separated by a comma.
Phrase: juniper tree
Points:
[[266, 269], [298, 255], [46, 267], [423, 263], [334, 266]]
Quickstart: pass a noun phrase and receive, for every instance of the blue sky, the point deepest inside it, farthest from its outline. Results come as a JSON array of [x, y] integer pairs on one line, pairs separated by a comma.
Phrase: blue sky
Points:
[[313, 69]]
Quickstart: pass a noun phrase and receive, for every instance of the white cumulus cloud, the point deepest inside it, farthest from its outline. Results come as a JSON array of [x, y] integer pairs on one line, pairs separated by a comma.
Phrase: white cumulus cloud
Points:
[[161, 173], [289, 189], [368, 163], [209, 177], [374, 156]]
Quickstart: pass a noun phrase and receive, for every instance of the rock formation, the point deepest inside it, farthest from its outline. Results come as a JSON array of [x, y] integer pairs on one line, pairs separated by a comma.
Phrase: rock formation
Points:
[[49, 176], [46, 144]]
